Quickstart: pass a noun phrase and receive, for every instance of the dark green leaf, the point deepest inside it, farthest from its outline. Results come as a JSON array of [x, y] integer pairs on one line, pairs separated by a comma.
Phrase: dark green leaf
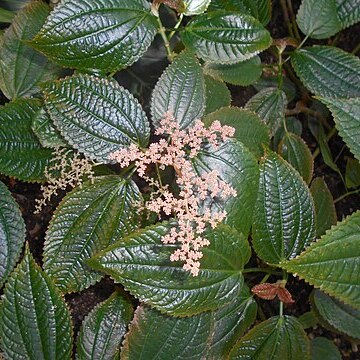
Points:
[[21, 154], [328, 71], [88, 220], [34, 319], [322, 348], [225, 37], [14, 5], [181, 90], [96, 116], [141, 262], [6, 16], [195, 7], [348, 12], [308, 320], [12, 233], [217, 94], [278, 338], [293, 125], [105, 35], [352, 174], [284, 213], [331, 263], [103, 329]]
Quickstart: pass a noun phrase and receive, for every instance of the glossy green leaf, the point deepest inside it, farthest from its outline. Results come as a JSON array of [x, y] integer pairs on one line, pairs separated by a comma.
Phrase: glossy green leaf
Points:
[[21, 67], [181, 90], [195, 7], [88, 220], [217, 94], [328, 71], [352, 173], [225, 37], [278, 338], [238, 167], [21, 154], [243, 73], [318, 18], [249, 129], [270, 104], [295, 151], [12, 233], [141, 262], [322, 348], [102, 331], [34, 319], [348, 12], [105, 35], [325, 212], [96, 116], [346, 114], [332, 263], [6, 16], [284, 219]]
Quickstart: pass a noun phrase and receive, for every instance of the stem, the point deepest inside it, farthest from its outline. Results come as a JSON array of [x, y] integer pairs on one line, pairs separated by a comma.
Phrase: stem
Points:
[[281, 310], [293, 20], [264, 279], [162, 32], [158, 174], [176, 26], [346, 195], [328, 137], [280, 75], [356, 49], [287, 17]]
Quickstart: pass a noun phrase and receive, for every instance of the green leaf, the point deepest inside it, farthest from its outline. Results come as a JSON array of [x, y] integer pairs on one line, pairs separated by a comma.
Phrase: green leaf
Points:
[[12, 233], [96, 116], [325, 212], [348, 12], [6, 16], [181, 90], [346, 114], [322, 348], [195, 7], [243, 73], [318, 18], [331, 263], [105, 35], [238, 167], [352, 174], [14, 5], [284, 221], [270, 104], [249, 129], [88, 220], [225, 37], [278, 338], [34, 319], [102, 331], [292, 124], [328, 71], [334, 314], [295, 151], [21, 67], [217, 94], [21, 154], [141, 262]]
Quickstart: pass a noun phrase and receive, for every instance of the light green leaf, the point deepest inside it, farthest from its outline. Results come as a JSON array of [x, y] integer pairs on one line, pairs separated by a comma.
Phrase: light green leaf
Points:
[[249, 129], [322, 348], [243, 73], [195, 7], [278, 338], [88, 220], [181, 90], [12, 233], [352, 173], [141, 262], [105, 35], [21, 154], [6, 16], [284, 221], [225, 37], [96, 116], [328, 71], [332, 263], [348, 12], [102, 331], [34, 319], [217, 94]]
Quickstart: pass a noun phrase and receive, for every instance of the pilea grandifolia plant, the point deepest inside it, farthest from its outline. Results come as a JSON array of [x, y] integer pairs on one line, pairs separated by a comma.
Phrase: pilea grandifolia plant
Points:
[[199, 211]]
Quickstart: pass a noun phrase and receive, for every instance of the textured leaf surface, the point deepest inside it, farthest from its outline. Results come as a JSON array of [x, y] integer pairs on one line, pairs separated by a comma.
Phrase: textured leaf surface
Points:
[[104, 35], [12, 233], [181, 90], [323, 348], [88, 220], [270, 104], [141, 262], [195, 7], [278, 338], [96, 116], [328, 71], [225, 37], [348, 12], [102, 331], [332, 263], [21, 67], [284, 213], [249, 129], [21, 154], [217, 94], [34, 319], [343, 318], [318, 18]]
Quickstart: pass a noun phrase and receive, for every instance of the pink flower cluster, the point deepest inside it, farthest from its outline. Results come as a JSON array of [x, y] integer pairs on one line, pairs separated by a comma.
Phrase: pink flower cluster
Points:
[[187, 206]]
